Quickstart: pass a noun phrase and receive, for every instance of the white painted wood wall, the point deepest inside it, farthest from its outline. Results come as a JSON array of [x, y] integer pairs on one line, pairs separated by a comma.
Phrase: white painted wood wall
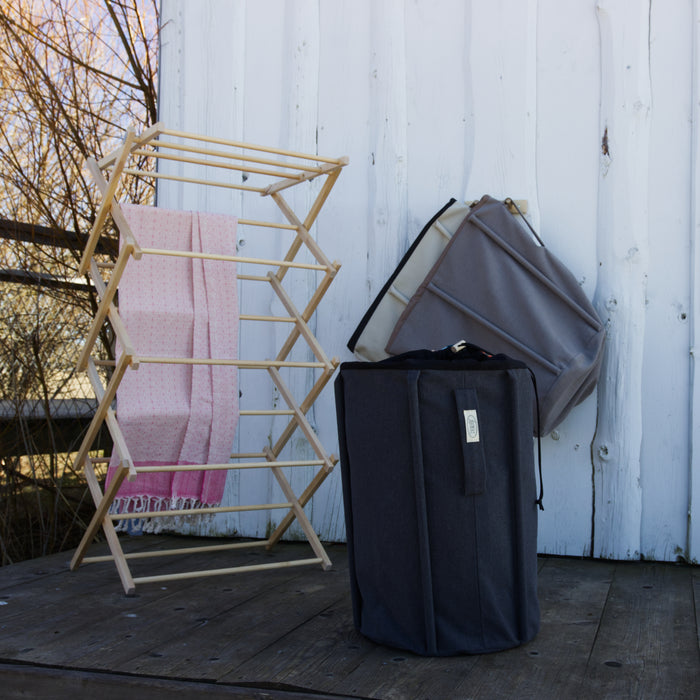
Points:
[[589, 110]]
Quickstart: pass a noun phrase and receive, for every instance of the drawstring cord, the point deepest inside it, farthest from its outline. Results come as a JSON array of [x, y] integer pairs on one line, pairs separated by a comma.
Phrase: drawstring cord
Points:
[[539, 440]]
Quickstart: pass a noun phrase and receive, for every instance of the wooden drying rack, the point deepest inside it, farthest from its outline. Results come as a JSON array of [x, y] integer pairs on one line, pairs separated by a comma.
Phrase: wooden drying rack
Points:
[[274, 171]]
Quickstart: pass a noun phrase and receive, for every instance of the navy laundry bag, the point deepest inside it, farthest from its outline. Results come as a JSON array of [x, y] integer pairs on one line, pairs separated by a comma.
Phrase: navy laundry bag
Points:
[[440, 496]]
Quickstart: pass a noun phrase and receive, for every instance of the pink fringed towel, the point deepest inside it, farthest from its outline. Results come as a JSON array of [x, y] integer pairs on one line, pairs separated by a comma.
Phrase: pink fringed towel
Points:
[[179, 307]]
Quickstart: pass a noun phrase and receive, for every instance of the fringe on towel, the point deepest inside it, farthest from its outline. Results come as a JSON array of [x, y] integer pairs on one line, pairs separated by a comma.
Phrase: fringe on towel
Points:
[[159, 525]]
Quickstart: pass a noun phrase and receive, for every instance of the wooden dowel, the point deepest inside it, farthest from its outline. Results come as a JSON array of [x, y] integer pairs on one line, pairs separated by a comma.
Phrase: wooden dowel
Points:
[[197, 511], [230, 258], [177, 551], [271, 319], [296, 177], [192, 180], [247, 455], [253, 278], [144, 137], [229, 154], [266, 224], [232, 570], [280, 463], [290, 182], [263, 412], [243, 364], [250, 146], [227, 465]]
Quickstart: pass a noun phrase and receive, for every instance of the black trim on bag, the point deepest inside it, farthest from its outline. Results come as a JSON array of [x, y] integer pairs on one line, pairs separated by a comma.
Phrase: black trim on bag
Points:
[[365, 319]]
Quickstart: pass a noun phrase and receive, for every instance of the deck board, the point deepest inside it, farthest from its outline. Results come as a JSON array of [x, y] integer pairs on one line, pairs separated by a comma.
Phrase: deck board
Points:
[[647, 642], [226, 635], [609, 629], [323, 651]]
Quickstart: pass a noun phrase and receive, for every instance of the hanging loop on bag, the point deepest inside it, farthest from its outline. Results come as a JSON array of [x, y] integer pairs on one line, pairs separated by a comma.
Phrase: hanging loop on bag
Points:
[[511, 203]]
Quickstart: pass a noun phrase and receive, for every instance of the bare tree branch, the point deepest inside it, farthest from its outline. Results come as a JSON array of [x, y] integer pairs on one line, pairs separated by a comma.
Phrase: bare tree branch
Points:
[[73, 75]]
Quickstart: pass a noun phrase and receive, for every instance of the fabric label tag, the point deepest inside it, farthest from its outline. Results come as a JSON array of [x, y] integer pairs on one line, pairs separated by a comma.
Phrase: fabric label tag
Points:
[[471, 424]]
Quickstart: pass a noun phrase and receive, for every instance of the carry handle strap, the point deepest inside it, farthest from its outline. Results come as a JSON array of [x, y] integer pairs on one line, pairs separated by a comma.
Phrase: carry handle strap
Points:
[[462, 347]]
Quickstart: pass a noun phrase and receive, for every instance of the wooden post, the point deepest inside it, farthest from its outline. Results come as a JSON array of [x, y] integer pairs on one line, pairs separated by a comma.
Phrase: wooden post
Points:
[[623, 257]]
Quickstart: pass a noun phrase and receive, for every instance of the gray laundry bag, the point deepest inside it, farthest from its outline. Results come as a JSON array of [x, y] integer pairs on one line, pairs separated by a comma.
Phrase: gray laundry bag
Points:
[[497, 287]]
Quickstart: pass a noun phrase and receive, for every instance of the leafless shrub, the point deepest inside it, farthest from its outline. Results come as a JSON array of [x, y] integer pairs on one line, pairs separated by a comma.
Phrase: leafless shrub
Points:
[[73, 75]]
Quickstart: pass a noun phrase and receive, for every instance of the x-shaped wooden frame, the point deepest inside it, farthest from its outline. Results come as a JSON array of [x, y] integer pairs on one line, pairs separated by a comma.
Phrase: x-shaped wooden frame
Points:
[[107, 312]]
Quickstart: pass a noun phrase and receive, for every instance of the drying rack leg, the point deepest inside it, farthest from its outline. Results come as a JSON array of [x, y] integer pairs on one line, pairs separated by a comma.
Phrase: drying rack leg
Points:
[[305, 497], [297, 511], [101, 519]]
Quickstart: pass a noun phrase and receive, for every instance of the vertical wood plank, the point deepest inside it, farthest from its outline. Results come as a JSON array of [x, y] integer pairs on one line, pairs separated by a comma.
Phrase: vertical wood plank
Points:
[[694, 462], [264, 111], [568, 90], [266, 91], [623, 248], [666, 440], [297, 129], [438, 119], [370, 226], [345, 108], [201, 92], [503, 78], [386, 208]]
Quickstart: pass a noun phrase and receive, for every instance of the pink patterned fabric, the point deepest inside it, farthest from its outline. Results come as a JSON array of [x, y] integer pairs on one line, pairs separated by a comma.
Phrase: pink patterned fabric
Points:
[[178, 307]]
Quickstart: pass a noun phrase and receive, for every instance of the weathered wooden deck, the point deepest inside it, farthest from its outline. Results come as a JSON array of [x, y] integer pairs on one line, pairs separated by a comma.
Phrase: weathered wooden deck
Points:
[[609, 630]]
